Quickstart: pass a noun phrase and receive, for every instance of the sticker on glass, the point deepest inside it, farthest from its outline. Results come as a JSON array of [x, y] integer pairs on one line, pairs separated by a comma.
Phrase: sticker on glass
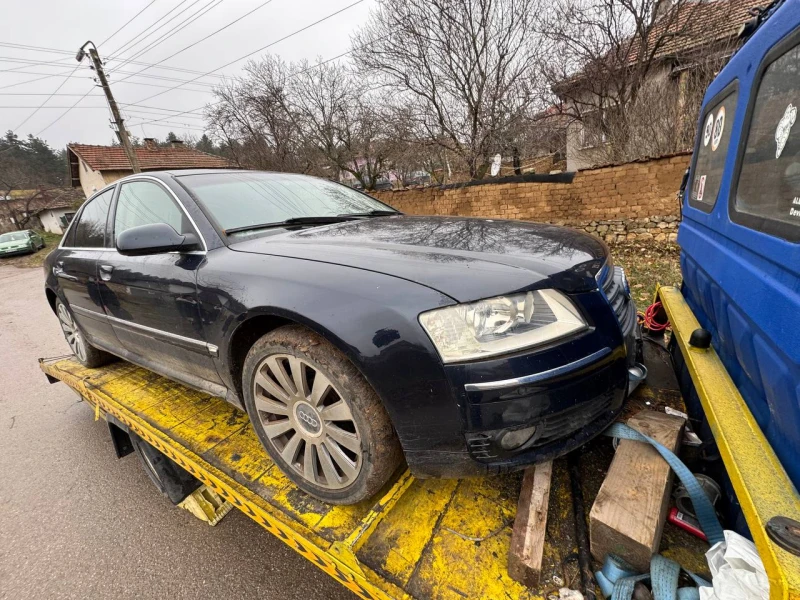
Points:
[[701, 188], [784, 127], [708, 129], [719, 127]]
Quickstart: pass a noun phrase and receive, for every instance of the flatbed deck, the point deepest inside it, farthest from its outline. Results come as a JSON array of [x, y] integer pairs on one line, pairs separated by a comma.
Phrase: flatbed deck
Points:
[[437, 539]]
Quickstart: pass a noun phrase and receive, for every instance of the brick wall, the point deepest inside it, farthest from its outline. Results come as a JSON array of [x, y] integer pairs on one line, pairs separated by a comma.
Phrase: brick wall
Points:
[[618, 202]]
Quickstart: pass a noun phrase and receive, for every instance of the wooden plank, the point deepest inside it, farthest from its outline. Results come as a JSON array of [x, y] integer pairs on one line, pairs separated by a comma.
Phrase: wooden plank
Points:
[[628, 515], [530, 525]]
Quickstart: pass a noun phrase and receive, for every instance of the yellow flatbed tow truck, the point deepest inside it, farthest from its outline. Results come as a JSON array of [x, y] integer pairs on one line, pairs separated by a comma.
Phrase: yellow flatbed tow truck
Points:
[[429, 539]]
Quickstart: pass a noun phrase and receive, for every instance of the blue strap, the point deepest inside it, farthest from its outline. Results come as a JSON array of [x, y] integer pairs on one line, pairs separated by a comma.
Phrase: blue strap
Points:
[[617, 579], [706, 514]]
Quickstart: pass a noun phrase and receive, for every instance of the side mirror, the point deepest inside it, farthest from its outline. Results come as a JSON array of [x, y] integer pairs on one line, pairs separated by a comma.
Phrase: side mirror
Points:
[[156, 238]]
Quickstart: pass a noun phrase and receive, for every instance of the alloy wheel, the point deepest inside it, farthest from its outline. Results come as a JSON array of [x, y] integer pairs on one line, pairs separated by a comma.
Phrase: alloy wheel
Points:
[[308, 421], [71, 332]]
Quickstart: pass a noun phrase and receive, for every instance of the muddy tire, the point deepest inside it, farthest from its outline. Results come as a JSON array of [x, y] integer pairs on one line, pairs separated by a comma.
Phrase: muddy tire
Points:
[[317, 417], [87, 355]]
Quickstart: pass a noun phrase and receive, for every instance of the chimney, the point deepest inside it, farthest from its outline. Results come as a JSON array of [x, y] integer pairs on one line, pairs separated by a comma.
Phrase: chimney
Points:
[[150, 143], [176, 143]]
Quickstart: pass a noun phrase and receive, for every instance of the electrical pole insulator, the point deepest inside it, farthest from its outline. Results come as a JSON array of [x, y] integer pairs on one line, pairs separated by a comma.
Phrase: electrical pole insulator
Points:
[[122, 133]]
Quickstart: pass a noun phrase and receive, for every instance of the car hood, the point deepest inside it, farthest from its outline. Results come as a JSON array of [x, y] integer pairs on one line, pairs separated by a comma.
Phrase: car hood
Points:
[[466, 259]]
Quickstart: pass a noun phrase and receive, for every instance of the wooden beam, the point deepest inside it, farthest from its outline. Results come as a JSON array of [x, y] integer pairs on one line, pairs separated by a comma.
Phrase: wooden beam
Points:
[[530, 525], [628, 515]]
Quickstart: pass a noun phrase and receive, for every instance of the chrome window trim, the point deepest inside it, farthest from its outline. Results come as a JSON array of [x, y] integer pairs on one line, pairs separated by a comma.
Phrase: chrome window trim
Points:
[[174, 197], [537, 377], [78, 213], [84, 248], [210, 348]]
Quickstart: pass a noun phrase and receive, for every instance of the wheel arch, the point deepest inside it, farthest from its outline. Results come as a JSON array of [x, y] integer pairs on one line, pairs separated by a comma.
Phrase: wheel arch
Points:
[[260, 322], [51, 298]]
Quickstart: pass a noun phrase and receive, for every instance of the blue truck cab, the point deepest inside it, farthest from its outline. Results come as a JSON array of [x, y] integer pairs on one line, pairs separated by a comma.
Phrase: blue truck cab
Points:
[[740, 234]]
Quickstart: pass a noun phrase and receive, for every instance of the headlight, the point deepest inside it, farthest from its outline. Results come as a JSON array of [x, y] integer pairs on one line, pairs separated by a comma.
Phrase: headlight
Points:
[[500, 325]]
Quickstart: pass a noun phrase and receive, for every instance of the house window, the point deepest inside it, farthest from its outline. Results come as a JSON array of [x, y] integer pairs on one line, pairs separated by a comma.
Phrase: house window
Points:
[[591, 132]]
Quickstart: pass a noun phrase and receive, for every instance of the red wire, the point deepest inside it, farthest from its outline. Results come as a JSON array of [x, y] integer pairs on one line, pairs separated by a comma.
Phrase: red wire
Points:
[[649, 318]]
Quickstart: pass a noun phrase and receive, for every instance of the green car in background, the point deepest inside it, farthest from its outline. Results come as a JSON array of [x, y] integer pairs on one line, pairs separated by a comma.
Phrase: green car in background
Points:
[[20, 242]]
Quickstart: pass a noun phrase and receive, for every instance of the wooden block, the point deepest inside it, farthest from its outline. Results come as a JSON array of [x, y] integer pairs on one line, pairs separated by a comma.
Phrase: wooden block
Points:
[[530, 525], [628, 515]]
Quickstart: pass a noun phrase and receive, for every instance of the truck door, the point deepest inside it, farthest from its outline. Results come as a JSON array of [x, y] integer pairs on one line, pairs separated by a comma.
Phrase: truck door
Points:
[[741, 231]]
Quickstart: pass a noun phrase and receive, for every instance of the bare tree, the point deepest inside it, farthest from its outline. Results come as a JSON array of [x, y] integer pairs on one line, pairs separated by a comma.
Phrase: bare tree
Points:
[[633, 71], [464, 67], [254, 121], [343, 118]]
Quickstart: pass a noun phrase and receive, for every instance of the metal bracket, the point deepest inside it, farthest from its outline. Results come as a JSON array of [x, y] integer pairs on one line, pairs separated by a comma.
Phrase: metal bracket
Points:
[[205, 504], [785, 532]]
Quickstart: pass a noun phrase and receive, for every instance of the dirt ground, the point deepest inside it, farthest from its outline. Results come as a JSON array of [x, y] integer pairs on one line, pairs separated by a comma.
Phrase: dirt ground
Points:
[[648, 266]]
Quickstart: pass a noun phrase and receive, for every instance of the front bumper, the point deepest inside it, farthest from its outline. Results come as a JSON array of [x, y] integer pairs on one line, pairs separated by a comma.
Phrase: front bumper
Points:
[[569, 392], [15, 252]]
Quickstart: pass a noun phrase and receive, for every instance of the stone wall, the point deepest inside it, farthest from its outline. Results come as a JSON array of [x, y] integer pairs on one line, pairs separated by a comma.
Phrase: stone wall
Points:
[[630, 201]]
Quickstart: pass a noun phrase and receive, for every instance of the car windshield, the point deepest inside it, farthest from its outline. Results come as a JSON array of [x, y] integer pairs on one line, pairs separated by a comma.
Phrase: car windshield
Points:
[[251, 198], [17, 236]]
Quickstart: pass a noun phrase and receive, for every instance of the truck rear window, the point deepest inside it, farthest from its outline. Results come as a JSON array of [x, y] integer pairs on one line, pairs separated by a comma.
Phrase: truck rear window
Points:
[[769, 182], [712, 148]]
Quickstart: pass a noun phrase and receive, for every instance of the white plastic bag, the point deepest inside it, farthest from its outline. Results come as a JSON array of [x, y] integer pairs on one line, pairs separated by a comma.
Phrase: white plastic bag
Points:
[[737, 571]]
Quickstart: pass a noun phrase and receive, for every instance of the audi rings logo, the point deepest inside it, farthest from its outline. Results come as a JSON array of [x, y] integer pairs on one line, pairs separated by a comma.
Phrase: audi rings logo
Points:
[[308, 418]]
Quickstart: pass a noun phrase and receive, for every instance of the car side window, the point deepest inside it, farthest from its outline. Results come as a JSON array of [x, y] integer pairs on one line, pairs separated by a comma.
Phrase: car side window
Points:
[[90, 230], [712, 150], [768, 191], [145, 203]]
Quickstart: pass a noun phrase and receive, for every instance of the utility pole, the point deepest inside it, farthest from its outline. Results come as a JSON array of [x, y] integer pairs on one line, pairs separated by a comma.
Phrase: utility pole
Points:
[[112, 104]]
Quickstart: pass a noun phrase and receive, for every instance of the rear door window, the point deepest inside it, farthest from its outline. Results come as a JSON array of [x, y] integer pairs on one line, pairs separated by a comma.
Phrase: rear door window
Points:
[[712, 149], [90, 230], [768, 191]]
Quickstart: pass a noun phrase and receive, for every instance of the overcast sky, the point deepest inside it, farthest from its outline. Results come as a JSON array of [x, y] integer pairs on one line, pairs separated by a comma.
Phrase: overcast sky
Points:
[[65, 26]]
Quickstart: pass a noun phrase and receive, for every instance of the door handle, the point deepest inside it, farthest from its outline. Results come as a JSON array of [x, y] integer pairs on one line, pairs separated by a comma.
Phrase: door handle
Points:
[[58, 271], [105, 272]]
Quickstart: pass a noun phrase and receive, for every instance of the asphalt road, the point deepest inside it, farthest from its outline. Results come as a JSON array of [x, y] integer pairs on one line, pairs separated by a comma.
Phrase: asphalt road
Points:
[[75, 522]]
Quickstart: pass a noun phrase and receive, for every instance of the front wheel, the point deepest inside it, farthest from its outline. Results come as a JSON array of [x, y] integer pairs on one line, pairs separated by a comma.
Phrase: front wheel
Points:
[[88, 355], [317, 417]]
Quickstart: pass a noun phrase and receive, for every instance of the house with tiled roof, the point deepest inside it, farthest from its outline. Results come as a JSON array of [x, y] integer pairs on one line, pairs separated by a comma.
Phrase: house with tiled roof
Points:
[[94, 167], [681, 51]]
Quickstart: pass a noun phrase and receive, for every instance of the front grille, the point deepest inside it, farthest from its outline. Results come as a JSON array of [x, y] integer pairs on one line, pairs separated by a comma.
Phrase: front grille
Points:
[[619, 299], [480, 446], [561, 424], [553, 427]]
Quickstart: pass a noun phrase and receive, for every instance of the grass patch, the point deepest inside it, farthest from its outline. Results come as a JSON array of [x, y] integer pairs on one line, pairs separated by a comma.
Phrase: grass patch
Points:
[[647, 266], [37, 258]]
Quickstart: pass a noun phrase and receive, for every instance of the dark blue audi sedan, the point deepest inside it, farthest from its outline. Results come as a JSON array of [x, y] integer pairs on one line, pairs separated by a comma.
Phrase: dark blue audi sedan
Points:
[[354, 336]]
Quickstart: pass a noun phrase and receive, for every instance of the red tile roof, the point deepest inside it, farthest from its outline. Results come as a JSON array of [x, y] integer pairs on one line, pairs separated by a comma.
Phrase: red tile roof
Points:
[[698, 23], [693, 25], [113, 158]]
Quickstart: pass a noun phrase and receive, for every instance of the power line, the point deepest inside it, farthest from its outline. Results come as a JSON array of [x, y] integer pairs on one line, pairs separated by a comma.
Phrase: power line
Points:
[[135, 39], [212, 34], [293, 75], [181, 26], [62, 115], [173, 110], [286, 37], [71, 55], [65, 75], [38, 94], [33, 80], [128, 22], [60, 85], [132, 74]]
